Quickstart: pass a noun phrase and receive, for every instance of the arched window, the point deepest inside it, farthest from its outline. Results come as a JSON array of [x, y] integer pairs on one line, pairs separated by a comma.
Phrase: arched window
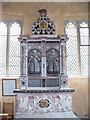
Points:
[[3, 39], [77, 47], [53, 61], [9, 47], [84, 42], [72, 60], [14, 51], [34, 62]]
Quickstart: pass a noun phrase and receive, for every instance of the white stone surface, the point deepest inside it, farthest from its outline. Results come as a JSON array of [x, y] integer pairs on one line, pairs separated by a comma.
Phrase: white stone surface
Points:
[[43, 66], [30, 102], [47, 115]]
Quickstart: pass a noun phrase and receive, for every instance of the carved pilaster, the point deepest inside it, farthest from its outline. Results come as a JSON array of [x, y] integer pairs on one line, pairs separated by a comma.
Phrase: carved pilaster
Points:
[[23, 59], [44, 71], [63, 76], [23, 64], [23, 82], [64, 80], [43, 66]]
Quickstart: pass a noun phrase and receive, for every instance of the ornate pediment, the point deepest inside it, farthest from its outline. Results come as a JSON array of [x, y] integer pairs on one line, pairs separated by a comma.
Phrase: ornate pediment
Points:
[[43, 25]]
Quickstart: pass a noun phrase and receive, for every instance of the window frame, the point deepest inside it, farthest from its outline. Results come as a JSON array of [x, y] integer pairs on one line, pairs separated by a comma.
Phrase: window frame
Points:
[[8, 24], [77, 24]]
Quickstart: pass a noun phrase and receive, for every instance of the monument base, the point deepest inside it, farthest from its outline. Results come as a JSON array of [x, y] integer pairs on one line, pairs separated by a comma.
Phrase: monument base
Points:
[[44, 103]]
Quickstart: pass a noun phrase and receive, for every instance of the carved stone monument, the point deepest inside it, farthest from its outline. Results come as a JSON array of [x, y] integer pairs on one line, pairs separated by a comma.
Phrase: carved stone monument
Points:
[[43, 77]]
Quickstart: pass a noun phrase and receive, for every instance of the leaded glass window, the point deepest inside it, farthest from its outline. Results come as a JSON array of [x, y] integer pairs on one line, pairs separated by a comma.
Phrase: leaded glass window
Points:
[[9, 47], [84, 37], [3, 39], [14, 53], [53, 61], [77, 47], [34, 62], [71, 31]]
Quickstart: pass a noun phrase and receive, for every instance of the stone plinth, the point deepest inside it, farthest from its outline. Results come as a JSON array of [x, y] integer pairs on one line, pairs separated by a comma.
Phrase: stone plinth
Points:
[[41, 102]]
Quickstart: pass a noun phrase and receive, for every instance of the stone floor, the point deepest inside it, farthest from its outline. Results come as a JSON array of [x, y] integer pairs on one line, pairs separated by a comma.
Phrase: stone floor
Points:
[[47, 115]]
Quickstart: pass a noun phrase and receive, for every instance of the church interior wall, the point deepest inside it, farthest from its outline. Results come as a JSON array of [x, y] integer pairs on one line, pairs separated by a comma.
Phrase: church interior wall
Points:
[[59, 12]]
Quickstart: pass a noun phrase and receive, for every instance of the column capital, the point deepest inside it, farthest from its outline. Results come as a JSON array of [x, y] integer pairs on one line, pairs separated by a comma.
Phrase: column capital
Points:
[[63, 39], [23, 38]]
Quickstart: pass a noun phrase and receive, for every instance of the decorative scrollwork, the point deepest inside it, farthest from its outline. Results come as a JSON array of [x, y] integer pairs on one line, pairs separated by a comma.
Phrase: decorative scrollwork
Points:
[[43, 26]]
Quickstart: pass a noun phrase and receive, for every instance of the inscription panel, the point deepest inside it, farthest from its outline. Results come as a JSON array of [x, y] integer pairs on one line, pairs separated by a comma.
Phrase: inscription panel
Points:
[[34, 83]]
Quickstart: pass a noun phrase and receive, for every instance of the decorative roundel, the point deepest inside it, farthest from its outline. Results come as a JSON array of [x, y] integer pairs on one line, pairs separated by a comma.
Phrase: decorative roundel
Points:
[[64, 82], [44, 103], [43, 26]]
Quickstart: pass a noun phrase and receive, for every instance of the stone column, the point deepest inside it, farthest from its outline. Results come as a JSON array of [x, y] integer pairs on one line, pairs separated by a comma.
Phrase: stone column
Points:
[[43, 66], [44, 69], [23, 66], [7, 49], [23, 59], [63, 75]]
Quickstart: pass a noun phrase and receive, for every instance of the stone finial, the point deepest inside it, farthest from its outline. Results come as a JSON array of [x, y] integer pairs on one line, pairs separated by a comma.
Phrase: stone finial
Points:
[[43, 11]]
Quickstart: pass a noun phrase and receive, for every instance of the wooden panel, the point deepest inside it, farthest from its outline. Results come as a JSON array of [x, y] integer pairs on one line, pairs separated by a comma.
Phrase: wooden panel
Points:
[[3, 116], [8, 108]]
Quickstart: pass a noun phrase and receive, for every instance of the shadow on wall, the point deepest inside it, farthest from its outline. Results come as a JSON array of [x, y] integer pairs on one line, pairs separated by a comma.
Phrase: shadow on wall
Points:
[[80, 96], [0, 107]]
